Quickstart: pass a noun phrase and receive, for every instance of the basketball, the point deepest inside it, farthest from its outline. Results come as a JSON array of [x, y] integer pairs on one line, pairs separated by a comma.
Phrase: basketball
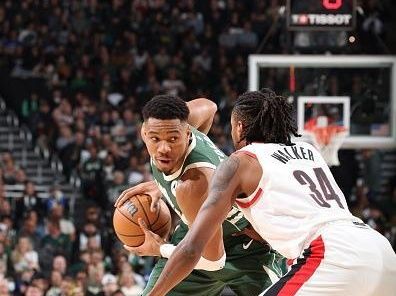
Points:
[[126, 225]]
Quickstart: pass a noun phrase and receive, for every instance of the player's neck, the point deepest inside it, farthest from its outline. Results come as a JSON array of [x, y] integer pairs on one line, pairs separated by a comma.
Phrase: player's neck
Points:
[[178, 165]]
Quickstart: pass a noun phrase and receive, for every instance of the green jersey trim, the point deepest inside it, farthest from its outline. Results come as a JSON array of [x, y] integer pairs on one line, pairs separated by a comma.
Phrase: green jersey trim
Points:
[[202, 164]]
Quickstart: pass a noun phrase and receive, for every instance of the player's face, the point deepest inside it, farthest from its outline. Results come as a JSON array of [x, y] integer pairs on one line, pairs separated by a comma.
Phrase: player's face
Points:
[[236, 132], [166, 142]]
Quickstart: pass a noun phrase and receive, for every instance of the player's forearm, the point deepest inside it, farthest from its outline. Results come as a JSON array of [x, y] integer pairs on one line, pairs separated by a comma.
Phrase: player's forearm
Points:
[[179, 266], [202, 112], [209, 265], [188, 252]]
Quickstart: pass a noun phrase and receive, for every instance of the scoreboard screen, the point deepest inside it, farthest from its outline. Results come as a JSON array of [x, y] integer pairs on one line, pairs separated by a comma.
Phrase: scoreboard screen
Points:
[[321, 14]]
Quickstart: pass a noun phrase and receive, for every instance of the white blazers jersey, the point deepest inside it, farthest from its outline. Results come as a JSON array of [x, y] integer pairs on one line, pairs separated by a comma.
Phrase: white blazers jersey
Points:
[[297, 194]]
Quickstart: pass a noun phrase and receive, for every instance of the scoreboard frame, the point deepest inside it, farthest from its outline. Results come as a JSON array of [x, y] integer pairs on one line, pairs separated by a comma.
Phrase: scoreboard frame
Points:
[[327, 18]]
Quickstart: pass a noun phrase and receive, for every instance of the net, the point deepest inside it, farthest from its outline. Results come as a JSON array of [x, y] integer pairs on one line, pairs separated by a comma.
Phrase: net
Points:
[[327, 139]]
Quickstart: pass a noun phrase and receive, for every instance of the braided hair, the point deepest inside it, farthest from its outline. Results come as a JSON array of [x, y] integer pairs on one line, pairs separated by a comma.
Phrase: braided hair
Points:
[[266, 117]]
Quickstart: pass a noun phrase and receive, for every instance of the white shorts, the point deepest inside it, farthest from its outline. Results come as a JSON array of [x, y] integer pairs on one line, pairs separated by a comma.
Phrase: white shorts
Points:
[[346, 259]]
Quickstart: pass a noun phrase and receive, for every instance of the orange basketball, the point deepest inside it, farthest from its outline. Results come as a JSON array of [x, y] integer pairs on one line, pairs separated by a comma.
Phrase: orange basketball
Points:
[[125, 220]]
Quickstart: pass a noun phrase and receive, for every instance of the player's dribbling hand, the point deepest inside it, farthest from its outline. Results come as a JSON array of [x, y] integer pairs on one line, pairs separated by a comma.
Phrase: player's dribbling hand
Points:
[[151, 245], [149, 188]]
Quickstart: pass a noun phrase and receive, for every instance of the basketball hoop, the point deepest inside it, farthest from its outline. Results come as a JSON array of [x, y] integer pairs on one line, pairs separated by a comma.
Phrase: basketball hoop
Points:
[[327, 139]]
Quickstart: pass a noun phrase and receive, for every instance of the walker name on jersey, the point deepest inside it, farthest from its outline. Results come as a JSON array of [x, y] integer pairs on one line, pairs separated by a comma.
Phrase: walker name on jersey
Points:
[[293, 152]]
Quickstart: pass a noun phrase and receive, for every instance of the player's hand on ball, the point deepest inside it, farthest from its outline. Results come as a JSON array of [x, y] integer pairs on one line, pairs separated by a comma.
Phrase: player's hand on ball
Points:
[[149, 188], [151, 245]]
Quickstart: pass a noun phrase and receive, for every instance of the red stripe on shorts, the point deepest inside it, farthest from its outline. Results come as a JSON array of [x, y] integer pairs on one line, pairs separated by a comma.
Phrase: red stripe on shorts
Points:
[[307, 270]]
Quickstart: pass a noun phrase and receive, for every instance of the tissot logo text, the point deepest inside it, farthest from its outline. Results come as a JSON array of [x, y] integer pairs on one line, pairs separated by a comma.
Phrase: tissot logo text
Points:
[[321, 19]]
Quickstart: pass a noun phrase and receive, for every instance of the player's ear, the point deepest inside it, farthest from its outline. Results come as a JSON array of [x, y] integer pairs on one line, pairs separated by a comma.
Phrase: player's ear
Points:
[[239, 129], [143, 132], [188, 131]]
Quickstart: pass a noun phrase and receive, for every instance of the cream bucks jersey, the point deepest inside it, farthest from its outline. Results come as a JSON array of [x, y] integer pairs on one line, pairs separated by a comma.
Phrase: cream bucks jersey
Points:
[[201, 153]]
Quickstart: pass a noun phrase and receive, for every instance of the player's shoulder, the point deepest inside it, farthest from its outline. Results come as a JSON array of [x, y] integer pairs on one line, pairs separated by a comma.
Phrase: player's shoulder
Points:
[[194, 182], [243, 160], [203, 150]]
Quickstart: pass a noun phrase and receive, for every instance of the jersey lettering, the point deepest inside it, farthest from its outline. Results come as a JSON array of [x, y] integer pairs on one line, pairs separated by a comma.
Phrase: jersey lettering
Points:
[[327, 190]]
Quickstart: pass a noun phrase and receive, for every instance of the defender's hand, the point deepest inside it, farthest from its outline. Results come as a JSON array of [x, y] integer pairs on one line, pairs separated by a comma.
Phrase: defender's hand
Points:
[[151, 245], [149, 188]]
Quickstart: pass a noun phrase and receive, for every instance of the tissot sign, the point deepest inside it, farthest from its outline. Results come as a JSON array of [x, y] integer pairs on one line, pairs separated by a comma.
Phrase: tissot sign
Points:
[[321, 14]]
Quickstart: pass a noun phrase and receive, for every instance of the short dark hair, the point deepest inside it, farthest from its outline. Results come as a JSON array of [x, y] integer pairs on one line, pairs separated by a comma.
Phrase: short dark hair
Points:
[[166, 107], [266, 117]]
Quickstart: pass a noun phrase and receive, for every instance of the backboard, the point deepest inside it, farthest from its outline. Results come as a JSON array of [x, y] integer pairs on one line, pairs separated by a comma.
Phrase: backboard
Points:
[[368, 81]]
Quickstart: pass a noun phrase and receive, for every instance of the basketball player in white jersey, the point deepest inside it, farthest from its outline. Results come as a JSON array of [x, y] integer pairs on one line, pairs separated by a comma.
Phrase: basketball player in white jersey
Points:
[[290, 197]]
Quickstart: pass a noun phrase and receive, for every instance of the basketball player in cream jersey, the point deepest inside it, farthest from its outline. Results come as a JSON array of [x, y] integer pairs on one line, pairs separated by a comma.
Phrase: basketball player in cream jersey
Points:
[[288, 194]]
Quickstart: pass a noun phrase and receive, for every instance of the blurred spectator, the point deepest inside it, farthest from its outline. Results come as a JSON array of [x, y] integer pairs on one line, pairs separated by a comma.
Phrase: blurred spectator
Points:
[[126, 265], [93, 215], [33, 290], [371, 178], [55, 242], [55, 284], [8, 229], [59, 264], [32, 228], [117, 185], [109, 284], [24, 257], [248, 38], [39, 280], [108, 168], [88, 232], [29, 201], [20, 177], [118, 293], [134, 175], [64, 139], [24, 281], [162, 58], [128, 285], [81, 263], [389, 208], [41, 125], [172, 84], [5, 207], [71, 154], [56, 213], [92, 177], [4, 291], [62, 114], [30, 106], [95, 276], [5, 260], [67, 286], [56, 197], [9, 169], [225, 145]]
